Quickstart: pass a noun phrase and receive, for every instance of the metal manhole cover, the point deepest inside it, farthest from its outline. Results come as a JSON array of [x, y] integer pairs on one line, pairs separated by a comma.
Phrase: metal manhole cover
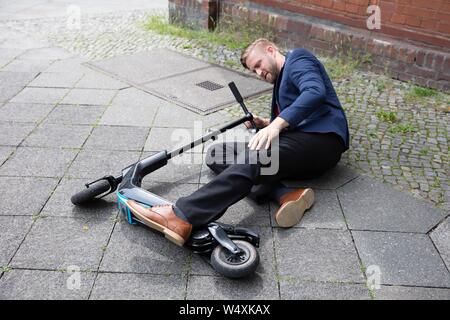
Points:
[[209, 85]]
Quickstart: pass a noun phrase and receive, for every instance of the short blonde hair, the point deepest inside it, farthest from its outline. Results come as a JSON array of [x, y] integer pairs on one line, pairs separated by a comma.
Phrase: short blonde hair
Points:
[[261, 42]]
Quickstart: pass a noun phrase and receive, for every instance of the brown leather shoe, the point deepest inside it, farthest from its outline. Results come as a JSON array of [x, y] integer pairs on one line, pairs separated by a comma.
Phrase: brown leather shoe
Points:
[[292, 207], [163, 219]]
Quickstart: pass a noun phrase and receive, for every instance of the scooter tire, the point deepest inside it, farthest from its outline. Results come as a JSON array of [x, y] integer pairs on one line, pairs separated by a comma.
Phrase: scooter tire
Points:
[[89, 194], [229, 266]]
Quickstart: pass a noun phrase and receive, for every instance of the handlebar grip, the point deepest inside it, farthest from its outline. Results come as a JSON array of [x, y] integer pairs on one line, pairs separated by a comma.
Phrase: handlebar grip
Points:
[[235, 92]]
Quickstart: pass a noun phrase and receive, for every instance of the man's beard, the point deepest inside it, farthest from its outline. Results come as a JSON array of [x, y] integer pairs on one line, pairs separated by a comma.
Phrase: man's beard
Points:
[[274, 73]]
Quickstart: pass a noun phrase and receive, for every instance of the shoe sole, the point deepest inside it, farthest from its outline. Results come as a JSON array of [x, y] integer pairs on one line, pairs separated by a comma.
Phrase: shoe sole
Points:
[[290, 213], [168, 234]]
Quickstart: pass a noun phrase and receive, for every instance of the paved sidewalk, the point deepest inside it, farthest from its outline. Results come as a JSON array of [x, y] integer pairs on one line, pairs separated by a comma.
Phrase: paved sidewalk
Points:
[[63, 123]]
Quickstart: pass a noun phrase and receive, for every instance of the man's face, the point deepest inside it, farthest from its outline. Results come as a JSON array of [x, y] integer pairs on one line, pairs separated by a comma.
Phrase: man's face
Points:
[[262, 62]]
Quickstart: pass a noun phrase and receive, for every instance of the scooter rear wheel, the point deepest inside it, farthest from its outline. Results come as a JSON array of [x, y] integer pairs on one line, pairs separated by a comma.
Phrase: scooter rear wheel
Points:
[[235, 266], [90, 193]]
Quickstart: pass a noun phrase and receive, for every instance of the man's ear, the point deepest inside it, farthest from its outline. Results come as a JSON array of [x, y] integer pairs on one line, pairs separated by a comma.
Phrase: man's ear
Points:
[[270, 50]]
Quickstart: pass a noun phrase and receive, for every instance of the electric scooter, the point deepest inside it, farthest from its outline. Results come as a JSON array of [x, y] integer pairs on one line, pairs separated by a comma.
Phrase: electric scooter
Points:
[[230, 250]]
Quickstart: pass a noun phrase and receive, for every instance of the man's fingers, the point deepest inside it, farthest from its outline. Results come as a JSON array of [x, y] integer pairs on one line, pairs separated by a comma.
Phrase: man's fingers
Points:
[[261, 142]]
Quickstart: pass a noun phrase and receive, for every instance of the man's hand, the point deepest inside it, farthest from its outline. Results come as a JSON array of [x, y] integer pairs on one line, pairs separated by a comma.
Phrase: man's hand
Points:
[[265, 136], [259, 122]]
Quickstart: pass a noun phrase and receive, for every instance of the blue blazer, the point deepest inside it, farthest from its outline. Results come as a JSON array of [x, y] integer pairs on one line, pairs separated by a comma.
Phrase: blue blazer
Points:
[[306, 97]]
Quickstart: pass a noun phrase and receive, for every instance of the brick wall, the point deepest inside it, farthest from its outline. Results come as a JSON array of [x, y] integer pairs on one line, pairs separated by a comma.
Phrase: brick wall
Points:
[[421, 57], [427, 21]]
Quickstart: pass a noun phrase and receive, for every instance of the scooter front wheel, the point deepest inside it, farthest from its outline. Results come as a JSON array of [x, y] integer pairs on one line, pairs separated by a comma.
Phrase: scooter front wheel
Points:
[[90, 193], [235, 265]]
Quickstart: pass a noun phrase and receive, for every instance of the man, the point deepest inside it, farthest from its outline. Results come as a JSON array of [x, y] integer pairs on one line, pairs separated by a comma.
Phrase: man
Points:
[[309, 125]]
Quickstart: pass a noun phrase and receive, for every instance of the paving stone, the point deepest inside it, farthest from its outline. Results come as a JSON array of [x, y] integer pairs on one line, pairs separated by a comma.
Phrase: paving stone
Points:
[[175, 116], [441, 239], [388, 210], [40, 95], [132, 107], [25, 112], [97, 80], [12, 134], [71, 65], [111, 286], [33, 66], [296, 289], [59, 203], [24, 196], [38, 162], [94, 164], [266, 268], [411, 293], [403, 259], [117, 138], [73, 242], [220, 288], [58, 135], [325, 213], [171, 138], [139, 249], [181, 169], [56, 80], [330, 180], [74, 114], [318, 255], [146, 66], [15, 79], [247, 212], [46, 53], [5, 152], [6, 93], [10, 53], [89, 97], [44, 285], [12, 232]]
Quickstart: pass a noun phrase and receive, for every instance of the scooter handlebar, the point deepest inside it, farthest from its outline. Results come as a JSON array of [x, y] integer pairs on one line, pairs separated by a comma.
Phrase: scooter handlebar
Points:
[[240, 100]]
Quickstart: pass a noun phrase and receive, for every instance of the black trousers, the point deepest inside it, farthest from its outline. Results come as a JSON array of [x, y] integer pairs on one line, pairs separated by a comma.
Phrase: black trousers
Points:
[[242, 172]]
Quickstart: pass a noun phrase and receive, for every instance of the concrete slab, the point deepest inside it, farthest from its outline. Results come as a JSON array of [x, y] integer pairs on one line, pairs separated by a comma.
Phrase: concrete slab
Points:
[[89, 97], [331, 180], [117, 138], [58, 135], [75, 114], [403, 258], [38, 162], [73, 242], [16, 79], [148, 65], [132, 107], [59, 203], [5, 152], [33, 66], [317, 255], [186, 90], [325, 213], [52, 53], [411, 293], [40, 95], [97, 80], [389, 210], [441, 239], [247, 212], [113, 286], [24, 196], [7, 93], [296, 289], [219, 288], [172, 138], [25, 112], [12, 232], [56, 80], [12, 134], [94, 164], [139, 249], [44, 285]]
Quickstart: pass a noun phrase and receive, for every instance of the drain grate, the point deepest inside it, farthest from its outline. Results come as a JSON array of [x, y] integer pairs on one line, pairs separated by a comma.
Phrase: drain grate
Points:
[[209, 85]]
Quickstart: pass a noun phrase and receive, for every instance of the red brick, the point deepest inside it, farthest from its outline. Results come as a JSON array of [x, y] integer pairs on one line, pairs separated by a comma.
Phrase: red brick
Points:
[[339, 5], [445, 28], [351, 8], [413, 21], [398, 18]]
